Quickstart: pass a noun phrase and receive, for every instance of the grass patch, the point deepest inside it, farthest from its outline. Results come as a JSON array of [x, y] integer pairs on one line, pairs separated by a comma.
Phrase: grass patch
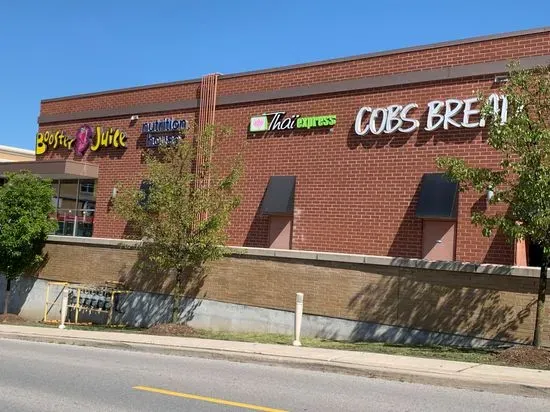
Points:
[[486, 356], [439, 352]]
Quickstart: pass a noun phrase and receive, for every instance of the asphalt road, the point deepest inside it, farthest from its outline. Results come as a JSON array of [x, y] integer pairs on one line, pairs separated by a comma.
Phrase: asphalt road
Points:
[[51, 377]]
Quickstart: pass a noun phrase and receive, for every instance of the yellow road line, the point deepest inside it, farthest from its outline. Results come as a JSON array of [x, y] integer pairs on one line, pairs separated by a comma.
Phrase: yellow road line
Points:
[[207, 399]]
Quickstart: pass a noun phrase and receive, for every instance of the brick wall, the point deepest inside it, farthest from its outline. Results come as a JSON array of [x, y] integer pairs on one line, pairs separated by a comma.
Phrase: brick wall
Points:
[[353, 194], [472, 304]]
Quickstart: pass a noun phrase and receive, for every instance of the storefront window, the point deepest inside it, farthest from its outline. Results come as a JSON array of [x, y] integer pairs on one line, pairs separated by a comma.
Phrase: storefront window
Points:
[[87, 186], [74, 201]]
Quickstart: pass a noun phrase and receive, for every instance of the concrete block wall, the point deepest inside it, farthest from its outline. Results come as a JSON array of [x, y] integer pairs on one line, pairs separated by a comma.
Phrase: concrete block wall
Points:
[[144, 309], [476, 301], [27, 297]]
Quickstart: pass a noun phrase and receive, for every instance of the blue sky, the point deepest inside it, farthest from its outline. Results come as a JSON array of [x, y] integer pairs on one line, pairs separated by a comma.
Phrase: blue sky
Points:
[[61, 47]]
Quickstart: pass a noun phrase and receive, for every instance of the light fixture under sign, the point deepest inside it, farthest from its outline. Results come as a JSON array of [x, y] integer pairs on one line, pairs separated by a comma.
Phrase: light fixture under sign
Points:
[[134, 118]]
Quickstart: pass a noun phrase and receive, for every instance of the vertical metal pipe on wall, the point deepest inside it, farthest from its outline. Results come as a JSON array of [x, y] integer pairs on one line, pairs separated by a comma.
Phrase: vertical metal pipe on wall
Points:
[[207, 111]]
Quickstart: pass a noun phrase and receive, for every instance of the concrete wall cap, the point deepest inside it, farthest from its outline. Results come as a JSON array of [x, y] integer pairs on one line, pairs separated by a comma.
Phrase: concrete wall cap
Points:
[[93, 241], [295, 254], [341, 257], [379, 260], [238, 250], [452, 266]]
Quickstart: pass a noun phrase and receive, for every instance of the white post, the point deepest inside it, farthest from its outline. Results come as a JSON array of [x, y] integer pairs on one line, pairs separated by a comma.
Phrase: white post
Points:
[[298, 318], [64, 303]]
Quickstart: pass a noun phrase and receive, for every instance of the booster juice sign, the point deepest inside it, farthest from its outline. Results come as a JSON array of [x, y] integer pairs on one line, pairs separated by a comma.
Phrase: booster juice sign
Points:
[[278, 121], [163, 131], [449, 113], [86, 137]]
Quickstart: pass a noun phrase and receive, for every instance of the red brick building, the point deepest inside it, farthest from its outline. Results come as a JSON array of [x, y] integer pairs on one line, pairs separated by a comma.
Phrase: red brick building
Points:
[[348, 189]]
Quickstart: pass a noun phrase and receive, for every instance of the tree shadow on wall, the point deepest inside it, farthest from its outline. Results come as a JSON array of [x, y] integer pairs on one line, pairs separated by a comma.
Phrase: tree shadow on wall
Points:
[[426, 308], [20, 290], [131, 232], [257, 235], [407, 241], [22, 287], [501, 249], [151, 300]]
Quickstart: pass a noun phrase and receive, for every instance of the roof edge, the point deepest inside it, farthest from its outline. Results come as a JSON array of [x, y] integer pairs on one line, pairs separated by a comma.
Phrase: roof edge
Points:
[[316, 63], [16, 150]]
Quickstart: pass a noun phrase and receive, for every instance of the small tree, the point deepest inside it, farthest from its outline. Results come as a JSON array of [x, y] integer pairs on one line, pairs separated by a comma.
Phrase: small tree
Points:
[[522, 180], [183, 207], [25, 206]]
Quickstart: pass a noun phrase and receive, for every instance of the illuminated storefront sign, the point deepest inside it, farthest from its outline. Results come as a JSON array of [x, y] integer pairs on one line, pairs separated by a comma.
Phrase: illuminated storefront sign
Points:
[[163, 131], [85, 138], [278, 121], [449, 113]]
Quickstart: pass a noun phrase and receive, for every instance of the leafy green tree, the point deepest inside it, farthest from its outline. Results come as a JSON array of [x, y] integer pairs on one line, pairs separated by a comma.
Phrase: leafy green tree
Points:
[[25, 206], [183, 209], [522, 181]]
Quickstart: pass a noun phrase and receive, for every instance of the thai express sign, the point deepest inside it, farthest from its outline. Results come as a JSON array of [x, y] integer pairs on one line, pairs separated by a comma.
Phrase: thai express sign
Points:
[[449, 113], [85, 138], [278, 121], [162, 132]]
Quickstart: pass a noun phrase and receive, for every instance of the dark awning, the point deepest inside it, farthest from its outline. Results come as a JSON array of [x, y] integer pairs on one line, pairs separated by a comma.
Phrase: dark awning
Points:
[[279, 196], [438, 197]]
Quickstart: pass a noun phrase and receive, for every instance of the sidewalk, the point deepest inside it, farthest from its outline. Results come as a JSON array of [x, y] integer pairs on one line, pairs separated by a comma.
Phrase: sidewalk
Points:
[[371, 364]]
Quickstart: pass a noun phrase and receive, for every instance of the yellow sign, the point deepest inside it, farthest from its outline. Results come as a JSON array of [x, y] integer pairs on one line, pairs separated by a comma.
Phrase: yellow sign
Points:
[[111, 137], [52, 139], [85, 138]]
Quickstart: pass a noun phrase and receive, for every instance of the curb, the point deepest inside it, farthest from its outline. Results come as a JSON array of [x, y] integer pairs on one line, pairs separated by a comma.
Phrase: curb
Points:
[[428, 378]]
